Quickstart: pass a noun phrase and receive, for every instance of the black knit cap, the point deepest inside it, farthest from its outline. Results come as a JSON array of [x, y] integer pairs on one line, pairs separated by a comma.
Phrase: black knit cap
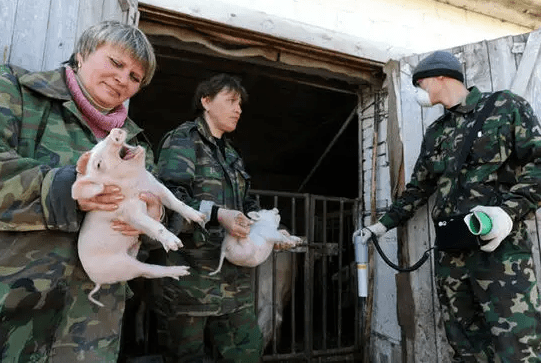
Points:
[[439, 63]]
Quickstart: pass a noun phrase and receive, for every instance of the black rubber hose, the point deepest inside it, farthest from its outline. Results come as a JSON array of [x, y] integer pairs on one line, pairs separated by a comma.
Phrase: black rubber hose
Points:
[[418, 264]]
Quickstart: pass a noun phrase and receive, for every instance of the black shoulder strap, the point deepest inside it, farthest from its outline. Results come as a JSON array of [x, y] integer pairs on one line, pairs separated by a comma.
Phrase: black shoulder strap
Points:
[[468, 141]]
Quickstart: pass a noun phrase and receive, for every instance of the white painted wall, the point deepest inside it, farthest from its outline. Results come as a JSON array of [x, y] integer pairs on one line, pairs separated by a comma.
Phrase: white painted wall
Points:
[[375, 29]]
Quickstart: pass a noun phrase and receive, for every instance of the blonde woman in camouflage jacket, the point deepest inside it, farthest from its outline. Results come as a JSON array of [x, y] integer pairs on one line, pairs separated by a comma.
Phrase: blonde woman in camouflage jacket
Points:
[[47, 120], [202, 168]]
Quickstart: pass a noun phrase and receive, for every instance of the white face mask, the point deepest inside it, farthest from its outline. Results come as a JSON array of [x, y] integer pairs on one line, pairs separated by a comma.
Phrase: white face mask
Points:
[[423, 98]]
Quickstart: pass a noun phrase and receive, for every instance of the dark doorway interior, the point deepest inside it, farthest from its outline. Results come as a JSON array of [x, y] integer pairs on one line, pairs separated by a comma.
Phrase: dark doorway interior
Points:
[[290, 120], [286, 126]]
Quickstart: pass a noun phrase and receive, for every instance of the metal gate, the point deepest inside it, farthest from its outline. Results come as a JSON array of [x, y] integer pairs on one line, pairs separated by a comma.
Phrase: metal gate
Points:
[[307, 298]]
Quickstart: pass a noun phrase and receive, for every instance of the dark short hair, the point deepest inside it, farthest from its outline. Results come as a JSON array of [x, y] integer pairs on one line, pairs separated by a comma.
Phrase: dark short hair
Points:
[[214, 85]]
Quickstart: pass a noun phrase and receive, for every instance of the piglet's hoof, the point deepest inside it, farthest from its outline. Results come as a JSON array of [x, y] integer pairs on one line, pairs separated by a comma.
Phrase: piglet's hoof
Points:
[[177, 271]]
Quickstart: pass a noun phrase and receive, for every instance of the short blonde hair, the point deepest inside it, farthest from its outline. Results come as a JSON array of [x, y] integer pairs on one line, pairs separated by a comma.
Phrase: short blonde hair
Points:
[[133, 40]]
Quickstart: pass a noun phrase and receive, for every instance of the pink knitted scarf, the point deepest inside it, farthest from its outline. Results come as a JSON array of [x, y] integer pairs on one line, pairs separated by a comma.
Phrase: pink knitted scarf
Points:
[[99, 123]]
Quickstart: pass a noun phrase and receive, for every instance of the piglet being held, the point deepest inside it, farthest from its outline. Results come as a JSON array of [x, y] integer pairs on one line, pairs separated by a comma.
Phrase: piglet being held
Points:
[[107, 255], [264, 236]]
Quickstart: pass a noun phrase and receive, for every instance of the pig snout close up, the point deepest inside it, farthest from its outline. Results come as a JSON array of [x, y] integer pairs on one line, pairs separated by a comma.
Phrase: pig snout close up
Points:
[[107, 255], [257, 247]]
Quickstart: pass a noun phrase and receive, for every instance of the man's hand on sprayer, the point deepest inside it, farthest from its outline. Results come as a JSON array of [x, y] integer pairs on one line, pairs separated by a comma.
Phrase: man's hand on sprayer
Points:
[[377, 229]]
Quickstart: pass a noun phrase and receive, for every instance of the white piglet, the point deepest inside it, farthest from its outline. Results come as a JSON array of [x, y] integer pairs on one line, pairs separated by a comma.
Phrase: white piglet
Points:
[[107, 255], [257, 247]]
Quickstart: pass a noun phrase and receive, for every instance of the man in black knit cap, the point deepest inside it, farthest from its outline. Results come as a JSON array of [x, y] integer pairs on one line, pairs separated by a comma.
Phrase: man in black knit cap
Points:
[[485, 279]]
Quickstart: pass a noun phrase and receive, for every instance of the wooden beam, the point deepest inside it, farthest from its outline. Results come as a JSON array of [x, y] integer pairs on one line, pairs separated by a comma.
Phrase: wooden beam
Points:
[[155, 19], [527, 64]]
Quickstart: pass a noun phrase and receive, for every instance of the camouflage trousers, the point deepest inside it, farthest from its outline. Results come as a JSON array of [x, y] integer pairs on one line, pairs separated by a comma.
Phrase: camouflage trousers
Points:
[[201, 315], [45, 314], [234, 338], [490, 302]]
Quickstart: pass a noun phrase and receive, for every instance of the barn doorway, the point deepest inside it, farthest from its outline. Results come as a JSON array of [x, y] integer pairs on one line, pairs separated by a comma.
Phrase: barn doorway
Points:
[[284, 129], [300, 98], [298, 132]]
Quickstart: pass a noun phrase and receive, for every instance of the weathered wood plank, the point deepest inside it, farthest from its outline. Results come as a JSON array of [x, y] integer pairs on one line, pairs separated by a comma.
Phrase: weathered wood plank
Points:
[[7, 22], [133, 13], [533, 90], [411, 122], [527, 64], [90, 12], [519, 44], [112, 10], [41, 34], [417, 236], [385, 319], [60, 40], [502, 63], [382, 187], [29, 33], [476, 66]]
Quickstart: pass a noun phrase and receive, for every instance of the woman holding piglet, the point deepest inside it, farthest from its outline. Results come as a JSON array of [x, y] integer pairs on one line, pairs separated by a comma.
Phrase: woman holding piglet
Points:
[[48, 120]]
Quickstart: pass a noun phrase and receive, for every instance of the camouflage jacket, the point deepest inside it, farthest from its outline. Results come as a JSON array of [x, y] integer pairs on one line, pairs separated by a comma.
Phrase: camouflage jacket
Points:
[[42, 136], [192, 166], [503, 167]]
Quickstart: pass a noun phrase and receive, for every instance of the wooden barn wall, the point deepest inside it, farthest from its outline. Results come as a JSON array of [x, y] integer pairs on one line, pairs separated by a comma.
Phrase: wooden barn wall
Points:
[[41, 34], [506, 63], [383, 332]]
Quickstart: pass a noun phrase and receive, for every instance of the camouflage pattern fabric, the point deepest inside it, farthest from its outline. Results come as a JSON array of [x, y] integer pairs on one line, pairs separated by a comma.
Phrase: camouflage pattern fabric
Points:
[[503, 168], [45, 315], [193, 167], [490, 300], [235, 335], [503, 314]]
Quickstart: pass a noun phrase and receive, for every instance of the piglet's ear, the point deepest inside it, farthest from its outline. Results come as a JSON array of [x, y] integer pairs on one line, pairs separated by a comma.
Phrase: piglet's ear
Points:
[[254, 215], [84, 188], [82, 163]]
